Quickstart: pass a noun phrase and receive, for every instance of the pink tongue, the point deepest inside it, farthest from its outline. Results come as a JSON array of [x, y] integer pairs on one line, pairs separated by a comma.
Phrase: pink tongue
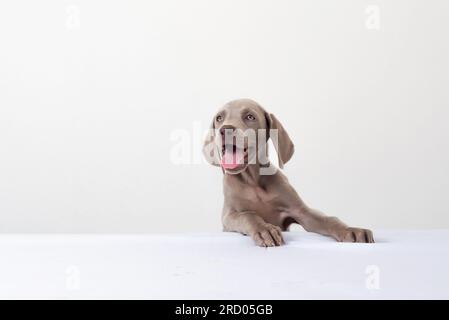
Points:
[[232, 160]]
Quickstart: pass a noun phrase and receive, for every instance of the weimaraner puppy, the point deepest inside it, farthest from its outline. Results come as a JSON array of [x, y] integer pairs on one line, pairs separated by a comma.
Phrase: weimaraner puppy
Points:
[[258, 199]]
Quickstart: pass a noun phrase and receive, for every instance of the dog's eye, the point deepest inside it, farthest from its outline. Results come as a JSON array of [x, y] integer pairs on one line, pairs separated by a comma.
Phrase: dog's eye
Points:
[[219, 118], [250, 117]]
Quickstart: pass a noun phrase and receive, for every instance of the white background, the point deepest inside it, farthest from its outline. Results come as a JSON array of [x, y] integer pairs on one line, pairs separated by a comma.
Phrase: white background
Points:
[[91, 92]]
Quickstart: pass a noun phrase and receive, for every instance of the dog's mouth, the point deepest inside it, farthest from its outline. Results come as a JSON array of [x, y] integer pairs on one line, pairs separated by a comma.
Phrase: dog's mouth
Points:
[[233, 157]]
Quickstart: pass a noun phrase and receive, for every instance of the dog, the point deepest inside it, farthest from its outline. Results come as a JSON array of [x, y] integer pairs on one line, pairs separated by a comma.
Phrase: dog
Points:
[[258, 199]]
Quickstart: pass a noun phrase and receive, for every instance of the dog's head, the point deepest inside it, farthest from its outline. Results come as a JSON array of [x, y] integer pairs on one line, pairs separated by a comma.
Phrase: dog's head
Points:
[[239, 134]]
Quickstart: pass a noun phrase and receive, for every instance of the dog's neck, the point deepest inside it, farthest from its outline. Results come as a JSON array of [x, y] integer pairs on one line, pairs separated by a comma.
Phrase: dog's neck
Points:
[[251, 175]]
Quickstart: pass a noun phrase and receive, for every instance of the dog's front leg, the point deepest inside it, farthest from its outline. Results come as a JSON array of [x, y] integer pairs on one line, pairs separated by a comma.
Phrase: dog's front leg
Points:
[[314, 221], [249, 223]]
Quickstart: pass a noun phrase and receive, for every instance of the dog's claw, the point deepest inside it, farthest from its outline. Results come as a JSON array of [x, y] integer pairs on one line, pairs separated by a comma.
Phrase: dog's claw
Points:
[[356, 235]]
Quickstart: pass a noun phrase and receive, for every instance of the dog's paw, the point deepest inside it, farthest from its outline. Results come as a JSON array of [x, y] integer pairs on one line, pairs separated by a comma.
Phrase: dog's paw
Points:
[[267, 235], [355, 235]]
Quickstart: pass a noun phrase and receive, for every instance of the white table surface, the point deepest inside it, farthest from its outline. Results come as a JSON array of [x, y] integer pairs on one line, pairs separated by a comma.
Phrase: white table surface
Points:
[[402, 264]]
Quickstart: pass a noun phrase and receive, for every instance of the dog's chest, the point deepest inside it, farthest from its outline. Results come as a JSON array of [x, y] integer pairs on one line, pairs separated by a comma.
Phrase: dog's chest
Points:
[[261, 195], [257, 198]]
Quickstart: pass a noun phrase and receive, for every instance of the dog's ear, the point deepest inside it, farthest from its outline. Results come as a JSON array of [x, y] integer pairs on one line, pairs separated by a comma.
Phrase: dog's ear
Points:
[[284, 145], [210, 150]]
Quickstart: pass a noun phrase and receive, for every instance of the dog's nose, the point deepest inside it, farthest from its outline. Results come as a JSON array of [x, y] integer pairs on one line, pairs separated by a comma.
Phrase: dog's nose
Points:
[[226, 129]]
